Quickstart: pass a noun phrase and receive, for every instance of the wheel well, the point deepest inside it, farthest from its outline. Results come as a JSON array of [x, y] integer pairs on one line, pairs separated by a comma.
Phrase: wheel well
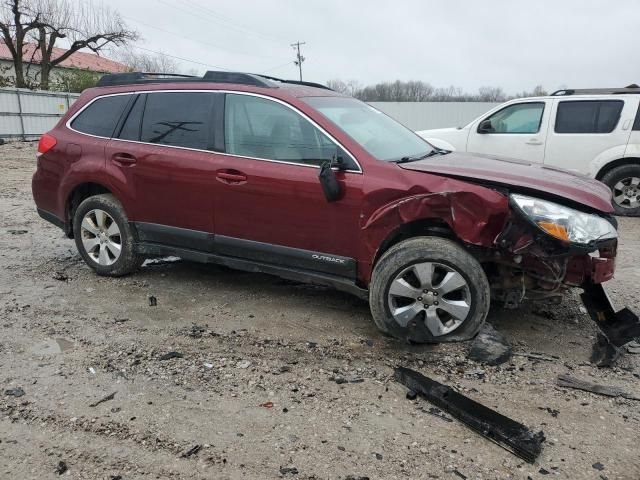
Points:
[[617, 163], [433, 227], [76, 197]]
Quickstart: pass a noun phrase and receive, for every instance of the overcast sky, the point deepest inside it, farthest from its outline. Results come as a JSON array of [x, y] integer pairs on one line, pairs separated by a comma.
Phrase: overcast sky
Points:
[[508, 43]]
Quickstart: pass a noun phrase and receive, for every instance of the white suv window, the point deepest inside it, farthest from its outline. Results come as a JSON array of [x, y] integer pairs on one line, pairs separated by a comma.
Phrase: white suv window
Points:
[[588, 116], [517, 118]]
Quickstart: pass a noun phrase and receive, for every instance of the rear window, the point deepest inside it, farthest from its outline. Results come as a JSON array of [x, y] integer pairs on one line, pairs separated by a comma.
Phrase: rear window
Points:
[[101, 116], [180, 119], [588, 116], [636, 123]]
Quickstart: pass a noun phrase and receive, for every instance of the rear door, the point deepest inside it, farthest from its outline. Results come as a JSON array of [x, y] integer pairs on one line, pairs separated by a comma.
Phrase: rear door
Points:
[[269, 205], [165, 152], [583, 130], [517, 130]]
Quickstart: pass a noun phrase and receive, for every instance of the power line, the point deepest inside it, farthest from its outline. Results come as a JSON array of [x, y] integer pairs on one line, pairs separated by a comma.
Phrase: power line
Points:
[[198, 11], [181, 35], [299, 58], [277, 67], [179, 58]]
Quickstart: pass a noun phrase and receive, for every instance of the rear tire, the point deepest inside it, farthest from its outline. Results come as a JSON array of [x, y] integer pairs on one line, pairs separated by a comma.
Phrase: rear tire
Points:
[[429, 290], [624, 182], [103, 236]]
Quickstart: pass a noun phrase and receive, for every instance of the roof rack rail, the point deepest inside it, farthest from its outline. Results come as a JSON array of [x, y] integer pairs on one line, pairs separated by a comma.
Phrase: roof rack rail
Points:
[[255, 80], [633, 88], [296, 82]]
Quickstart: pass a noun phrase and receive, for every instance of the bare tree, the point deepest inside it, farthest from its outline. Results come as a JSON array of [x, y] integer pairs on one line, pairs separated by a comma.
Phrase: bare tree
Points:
[[145, 62], [350, 87], [491, 94], [44, 22]]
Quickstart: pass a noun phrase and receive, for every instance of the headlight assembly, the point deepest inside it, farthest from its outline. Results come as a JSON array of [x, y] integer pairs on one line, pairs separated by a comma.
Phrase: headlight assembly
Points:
[[564, 223]]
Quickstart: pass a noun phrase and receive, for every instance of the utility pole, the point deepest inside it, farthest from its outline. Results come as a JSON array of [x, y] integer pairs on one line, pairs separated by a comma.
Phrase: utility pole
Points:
[[299, 57]]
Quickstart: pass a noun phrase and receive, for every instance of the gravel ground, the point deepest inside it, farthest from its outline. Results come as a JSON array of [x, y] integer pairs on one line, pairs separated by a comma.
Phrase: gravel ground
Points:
[[252, 391]]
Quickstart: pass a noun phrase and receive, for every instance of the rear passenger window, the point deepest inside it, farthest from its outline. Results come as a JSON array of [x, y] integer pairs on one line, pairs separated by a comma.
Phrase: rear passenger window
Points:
[[636, 123], [260, 128], [179, 119], [101, 116], [588, 116], [131, 128]]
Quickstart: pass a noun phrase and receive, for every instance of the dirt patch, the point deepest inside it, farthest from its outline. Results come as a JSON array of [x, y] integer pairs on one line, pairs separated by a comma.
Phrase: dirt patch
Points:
[[270, 378]]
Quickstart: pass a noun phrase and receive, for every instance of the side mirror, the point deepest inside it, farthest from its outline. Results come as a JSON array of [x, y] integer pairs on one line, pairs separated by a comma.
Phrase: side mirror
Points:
[[485, 126], [329, 182]]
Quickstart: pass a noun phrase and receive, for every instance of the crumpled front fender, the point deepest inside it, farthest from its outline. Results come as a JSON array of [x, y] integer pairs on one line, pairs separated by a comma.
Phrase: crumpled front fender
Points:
[[476, 215]]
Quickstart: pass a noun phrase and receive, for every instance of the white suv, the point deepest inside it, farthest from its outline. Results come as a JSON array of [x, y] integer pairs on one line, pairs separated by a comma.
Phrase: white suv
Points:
[[593, 132]]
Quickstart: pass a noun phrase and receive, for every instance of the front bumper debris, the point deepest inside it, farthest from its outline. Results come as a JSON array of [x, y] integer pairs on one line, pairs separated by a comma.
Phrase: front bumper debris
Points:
[[509, 434], [616, 328]]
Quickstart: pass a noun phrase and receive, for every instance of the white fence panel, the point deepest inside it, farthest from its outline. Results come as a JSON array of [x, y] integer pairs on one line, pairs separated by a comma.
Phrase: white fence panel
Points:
[[427, 115], [27, 114]]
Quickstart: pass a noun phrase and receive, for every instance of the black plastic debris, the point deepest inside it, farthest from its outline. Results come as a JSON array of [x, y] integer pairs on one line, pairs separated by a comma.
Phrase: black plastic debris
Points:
[[61, 468], [568, 381], [509, 434], [288, 471], [170, 355], [598, 466], [16, 232], [617, 328], [111, 396], [490, 347], [14, 392], [60, 276], [192, 451], [153, 301], [411, 395]]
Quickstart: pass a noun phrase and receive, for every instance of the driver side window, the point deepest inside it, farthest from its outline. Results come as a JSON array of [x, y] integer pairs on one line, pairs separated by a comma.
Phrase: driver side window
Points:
[[517, 118], [260, 128]]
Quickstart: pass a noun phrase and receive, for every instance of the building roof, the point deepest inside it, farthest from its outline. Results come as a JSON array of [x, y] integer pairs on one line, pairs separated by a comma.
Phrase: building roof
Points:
[[80, 60]]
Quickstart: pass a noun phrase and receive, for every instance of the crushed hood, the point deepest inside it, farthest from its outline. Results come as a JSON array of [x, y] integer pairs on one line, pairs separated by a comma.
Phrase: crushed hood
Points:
[[527, 177]]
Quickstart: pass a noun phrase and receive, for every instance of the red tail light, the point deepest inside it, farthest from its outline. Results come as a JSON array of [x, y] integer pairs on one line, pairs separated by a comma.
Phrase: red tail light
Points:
[[47, 142]]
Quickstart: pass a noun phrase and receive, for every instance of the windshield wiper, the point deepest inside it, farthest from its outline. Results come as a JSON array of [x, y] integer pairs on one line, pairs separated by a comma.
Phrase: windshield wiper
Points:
[[435, 151]]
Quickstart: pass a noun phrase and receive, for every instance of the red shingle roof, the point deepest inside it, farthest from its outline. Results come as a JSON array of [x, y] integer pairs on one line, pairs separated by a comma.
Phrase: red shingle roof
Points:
[[81, 60]]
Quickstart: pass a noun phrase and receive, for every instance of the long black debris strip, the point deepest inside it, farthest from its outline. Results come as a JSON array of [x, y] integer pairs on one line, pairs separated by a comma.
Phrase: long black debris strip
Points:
[[509, 434]]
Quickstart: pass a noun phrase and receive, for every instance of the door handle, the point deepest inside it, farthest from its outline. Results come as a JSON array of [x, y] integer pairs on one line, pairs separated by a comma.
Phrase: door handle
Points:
[[123, 159], [231, 177], [534, 141]]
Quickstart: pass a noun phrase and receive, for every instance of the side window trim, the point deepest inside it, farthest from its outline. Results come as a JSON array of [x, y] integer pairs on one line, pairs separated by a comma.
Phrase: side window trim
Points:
[[342, 149], [223, 92], [541, 102]]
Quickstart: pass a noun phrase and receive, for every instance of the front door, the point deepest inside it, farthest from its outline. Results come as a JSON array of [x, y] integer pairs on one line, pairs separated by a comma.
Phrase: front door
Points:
[[165, 149], [269, 205], [516, 131]]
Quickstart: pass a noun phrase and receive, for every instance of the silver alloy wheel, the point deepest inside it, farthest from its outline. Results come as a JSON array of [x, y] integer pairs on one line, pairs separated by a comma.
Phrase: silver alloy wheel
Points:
[[101, 237], [433, 293], [626, 193]]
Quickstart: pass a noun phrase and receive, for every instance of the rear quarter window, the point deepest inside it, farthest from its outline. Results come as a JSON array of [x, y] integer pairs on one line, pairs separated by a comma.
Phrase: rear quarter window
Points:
[[101, 116], [588, 116], [179, 119]]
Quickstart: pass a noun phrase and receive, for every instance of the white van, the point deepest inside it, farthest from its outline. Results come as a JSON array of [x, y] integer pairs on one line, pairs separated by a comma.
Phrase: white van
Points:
[[593, 132]]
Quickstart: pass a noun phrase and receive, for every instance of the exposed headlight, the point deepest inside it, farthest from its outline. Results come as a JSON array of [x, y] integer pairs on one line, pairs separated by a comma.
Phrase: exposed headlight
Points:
[[565, 223]]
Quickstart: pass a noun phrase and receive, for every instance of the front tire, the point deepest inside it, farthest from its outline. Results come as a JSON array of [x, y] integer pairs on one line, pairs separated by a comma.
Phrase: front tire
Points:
[[624, 182], [429, 290], [103, 236]]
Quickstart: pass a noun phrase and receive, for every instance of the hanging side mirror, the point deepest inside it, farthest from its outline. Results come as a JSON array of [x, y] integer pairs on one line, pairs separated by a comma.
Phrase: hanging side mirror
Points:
[[329, 182]]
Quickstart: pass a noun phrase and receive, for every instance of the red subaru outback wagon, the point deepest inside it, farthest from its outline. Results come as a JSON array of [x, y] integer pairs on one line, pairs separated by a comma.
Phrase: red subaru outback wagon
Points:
[[296, 180]]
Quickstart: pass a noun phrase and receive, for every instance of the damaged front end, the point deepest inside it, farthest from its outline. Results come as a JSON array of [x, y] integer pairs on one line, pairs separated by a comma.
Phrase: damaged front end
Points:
[[538, 258], [546, 248]]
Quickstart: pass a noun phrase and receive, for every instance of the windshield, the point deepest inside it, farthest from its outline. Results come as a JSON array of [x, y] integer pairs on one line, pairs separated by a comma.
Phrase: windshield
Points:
[[378, 134]]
